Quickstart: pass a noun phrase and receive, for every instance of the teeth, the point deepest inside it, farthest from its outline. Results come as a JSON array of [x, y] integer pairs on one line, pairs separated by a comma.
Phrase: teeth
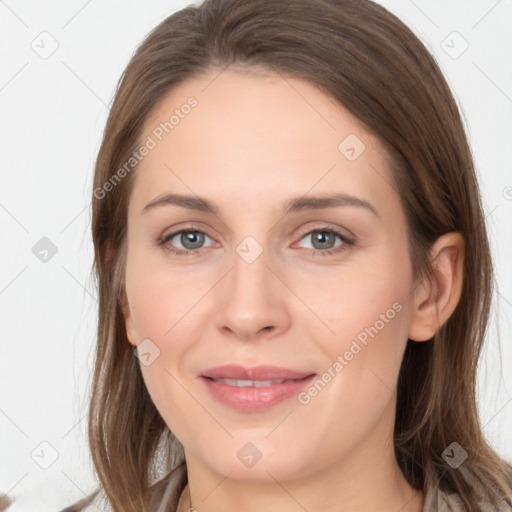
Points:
[[246, 383]]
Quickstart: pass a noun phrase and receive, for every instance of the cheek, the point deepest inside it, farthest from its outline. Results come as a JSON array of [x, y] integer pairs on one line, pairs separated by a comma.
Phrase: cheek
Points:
[[160, 300], [366, 294]]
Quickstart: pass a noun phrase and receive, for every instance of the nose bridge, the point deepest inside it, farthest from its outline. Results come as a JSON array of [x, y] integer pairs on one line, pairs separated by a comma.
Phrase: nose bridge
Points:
[[250, 277], [251, 299]]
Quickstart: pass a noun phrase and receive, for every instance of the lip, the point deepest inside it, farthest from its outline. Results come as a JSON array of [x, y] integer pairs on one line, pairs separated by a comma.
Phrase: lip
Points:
[[253, 399]]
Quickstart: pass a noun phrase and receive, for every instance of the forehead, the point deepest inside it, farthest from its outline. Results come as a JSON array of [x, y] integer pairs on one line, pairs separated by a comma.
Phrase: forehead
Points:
[[261, 136]]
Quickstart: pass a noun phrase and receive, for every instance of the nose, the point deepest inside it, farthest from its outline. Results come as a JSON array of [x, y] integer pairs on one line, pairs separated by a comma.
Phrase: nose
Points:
[[252, 299]]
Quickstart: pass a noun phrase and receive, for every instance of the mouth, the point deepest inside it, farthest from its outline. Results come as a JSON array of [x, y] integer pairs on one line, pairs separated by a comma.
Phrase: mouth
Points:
[[254, 389]]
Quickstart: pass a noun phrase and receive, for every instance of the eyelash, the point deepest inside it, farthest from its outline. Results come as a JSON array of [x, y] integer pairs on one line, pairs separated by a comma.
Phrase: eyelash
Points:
[[347, 242]]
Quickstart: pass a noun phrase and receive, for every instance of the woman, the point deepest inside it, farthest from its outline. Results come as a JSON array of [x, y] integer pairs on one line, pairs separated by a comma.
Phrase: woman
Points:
[[237, 368]]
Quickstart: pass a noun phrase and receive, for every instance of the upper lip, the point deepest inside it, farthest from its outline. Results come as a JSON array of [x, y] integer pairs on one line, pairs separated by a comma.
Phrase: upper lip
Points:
[[233, 371]]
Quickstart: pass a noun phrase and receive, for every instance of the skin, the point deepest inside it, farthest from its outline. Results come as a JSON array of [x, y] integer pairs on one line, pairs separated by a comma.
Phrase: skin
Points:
[[252, 143]]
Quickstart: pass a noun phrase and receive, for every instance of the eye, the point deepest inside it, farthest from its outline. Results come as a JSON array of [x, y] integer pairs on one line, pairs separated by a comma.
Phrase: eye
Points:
[[323, 240], [191, 240]]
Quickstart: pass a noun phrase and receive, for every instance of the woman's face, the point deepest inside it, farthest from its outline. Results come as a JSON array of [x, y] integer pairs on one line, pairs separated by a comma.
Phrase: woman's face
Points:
[[267, 286]]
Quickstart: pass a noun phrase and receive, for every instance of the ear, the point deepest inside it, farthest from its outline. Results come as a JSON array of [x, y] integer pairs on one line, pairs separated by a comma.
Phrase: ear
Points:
[[435, 301], [128, 321]]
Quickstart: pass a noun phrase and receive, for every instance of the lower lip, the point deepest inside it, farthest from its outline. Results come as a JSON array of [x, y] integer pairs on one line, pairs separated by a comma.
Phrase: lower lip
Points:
[[250, 398]]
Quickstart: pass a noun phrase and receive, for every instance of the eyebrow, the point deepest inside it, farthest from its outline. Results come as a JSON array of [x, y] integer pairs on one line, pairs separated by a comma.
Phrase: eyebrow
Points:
[[293, 205]]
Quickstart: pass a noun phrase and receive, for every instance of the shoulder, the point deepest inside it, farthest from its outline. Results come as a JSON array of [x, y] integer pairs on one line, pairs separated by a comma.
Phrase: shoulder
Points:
[[165, 494], [437, 500]]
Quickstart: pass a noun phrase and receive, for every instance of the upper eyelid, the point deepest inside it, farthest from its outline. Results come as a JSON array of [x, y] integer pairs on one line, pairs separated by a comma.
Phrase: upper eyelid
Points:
[[327, 226]]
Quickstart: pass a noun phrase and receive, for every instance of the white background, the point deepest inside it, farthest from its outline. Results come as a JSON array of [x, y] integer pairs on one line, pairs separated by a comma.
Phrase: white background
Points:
[[53, 112]]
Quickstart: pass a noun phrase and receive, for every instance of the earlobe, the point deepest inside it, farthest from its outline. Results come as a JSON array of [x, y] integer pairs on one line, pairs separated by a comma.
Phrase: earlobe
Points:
[[435, 300], [130, 334]]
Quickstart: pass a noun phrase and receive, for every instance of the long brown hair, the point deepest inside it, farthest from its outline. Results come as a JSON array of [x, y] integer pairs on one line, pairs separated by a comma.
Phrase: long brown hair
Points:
[[366, 59]]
